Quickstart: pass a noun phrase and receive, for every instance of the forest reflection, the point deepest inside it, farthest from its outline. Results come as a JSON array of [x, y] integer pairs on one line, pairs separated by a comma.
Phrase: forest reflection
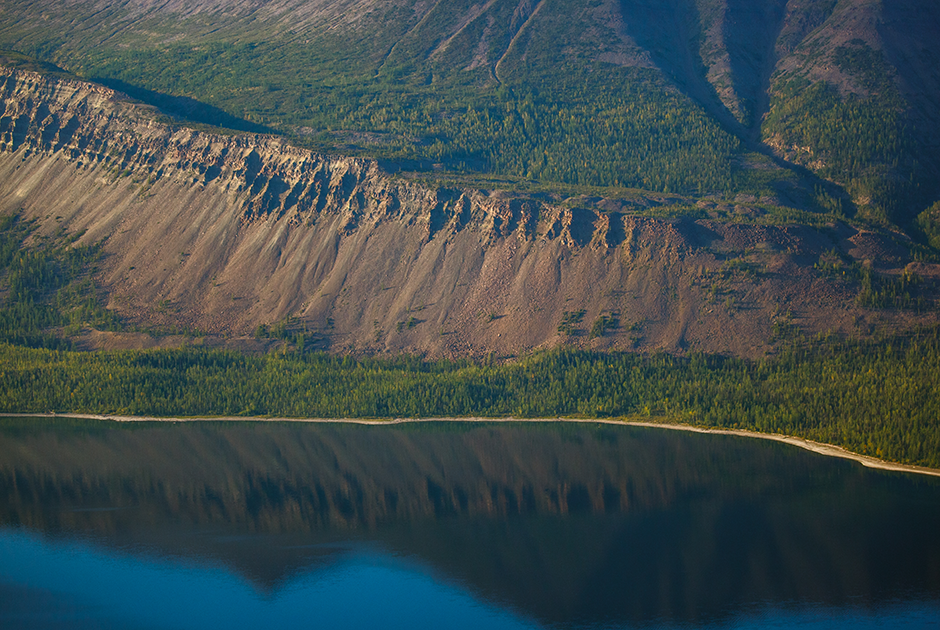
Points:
[[568, 523]]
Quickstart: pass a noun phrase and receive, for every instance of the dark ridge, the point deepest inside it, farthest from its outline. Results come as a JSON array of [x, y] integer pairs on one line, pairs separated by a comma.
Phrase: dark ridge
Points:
[[752, 30], [184, 107], [20, 61]]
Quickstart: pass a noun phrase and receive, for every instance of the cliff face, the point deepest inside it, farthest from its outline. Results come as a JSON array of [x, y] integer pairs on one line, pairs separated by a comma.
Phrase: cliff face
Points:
[[223, 233]]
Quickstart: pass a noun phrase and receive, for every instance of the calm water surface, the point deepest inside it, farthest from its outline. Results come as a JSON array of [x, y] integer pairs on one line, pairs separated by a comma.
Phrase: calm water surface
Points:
[[452, 526]]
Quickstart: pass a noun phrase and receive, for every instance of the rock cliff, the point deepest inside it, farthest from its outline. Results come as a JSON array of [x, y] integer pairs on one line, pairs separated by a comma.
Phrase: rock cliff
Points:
[[224, 233]]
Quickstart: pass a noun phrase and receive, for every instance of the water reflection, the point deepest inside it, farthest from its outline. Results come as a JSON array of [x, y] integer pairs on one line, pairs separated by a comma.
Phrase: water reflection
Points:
[[553, 524], [73, 585]]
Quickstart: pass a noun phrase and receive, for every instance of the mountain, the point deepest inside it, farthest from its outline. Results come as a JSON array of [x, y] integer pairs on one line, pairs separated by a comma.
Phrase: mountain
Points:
[[664, 95], [461, 178]]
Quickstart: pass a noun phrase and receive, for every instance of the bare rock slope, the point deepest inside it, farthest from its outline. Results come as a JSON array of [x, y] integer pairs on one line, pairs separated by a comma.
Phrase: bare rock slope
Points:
[[223, 233]]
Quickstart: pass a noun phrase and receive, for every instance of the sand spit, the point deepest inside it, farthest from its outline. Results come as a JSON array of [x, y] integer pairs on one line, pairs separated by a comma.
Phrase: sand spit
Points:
[[816, 447]]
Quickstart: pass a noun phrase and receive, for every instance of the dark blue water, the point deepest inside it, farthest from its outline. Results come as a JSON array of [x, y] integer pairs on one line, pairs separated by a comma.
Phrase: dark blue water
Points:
[[75, 584], [470, 526]]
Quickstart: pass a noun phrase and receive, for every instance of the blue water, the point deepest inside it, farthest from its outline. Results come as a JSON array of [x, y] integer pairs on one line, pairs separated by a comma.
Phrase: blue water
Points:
[[73, 584], [54, 584], [257, 526], [49, 584]]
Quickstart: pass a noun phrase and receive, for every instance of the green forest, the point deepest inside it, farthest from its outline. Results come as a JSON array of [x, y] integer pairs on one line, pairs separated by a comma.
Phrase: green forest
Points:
[[863, 142], [551, 117], [602, 127], [875, 397], [47, 289]]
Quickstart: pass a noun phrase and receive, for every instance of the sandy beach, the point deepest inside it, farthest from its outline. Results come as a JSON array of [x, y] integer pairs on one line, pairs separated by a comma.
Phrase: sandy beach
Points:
[[816, 447]]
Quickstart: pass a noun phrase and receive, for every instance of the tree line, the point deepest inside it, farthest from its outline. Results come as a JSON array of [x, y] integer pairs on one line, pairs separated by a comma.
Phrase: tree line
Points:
[[877, 398]]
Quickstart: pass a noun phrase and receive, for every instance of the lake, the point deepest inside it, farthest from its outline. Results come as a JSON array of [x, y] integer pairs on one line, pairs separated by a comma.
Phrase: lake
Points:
[[452, 525]]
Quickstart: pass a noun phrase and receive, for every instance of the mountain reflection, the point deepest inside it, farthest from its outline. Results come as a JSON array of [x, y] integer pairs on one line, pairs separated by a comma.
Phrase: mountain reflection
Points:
[[566, 523]]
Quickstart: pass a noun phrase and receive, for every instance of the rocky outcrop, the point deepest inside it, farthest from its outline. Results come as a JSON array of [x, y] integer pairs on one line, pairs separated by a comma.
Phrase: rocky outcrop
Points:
[[223, 233]]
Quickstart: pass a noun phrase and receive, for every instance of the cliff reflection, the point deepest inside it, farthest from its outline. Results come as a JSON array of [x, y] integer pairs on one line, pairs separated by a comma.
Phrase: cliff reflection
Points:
[[563, 522]]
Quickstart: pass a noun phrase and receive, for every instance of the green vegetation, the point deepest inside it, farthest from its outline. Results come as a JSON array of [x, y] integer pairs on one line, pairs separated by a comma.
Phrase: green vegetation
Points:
[[380, 91], [875, 398], [877, 290], [606, 127], [881, 292], [46, 286], [784, 328], [928, 222], [863, 143], [602, 324], [570, 320], [861, 138], [867, 68], [291, 330]]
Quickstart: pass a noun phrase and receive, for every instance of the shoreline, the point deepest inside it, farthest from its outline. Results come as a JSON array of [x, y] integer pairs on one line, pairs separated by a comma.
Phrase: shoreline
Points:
[[820, 448]]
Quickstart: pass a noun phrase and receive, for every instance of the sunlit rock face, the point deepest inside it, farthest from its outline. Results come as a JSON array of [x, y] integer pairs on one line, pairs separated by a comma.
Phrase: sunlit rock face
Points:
[[223, 233]]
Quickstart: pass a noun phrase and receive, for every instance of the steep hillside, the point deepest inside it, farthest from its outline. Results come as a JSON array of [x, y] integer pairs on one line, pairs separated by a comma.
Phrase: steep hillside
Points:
[[666, 95], [236, 234], [856, 102]]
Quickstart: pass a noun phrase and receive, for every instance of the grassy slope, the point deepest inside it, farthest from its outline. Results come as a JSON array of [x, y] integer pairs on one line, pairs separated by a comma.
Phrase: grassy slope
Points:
[[388, 86]]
